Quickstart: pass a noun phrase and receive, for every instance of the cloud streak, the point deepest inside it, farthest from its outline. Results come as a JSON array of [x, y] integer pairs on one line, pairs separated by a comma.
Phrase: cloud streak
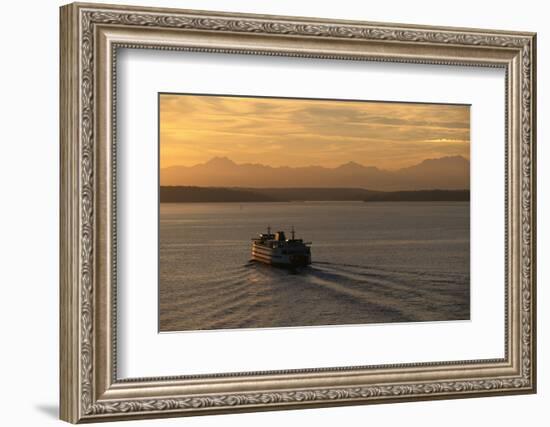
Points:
[[297, 132]]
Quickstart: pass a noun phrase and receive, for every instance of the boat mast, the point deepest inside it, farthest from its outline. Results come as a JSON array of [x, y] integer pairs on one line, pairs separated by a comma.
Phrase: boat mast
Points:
[[268, 229], [292, 232]]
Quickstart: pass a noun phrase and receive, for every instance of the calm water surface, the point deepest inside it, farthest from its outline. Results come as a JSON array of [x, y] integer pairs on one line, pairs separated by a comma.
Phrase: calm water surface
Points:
[[372, 263]]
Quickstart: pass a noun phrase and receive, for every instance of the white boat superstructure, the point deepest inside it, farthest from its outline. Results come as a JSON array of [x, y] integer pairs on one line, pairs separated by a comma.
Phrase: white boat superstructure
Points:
[[275, 249]]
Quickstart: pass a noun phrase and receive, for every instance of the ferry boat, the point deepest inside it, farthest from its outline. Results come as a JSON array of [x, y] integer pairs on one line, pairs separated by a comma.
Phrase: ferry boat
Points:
[[277, 250]]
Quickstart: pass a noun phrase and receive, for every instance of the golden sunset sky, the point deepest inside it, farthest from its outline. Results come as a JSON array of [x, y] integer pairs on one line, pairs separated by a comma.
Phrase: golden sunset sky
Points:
[[296, 132]]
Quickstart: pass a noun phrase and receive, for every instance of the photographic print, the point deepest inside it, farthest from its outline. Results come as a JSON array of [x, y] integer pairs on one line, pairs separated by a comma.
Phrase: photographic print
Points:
[[289, 212]]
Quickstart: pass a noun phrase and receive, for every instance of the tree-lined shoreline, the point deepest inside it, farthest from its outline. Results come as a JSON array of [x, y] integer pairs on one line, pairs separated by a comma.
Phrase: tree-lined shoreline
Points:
[[195, 194]]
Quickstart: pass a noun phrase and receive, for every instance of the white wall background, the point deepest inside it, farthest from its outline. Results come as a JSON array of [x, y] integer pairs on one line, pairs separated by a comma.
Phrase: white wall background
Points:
[[29, 170]]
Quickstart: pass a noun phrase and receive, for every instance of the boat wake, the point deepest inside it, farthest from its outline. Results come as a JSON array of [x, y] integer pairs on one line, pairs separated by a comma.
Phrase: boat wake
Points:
[[256, 295], [404, 295]]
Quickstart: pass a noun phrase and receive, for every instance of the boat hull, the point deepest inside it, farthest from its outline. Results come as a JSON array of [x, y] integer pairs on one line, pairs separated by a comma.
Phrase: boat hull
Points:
[[274, 257]]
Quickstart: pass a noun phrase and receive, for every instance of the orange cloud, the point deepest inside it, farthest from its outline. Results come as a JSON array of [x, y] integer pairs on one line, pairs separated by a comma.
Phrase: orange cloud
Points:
[[298, 132]]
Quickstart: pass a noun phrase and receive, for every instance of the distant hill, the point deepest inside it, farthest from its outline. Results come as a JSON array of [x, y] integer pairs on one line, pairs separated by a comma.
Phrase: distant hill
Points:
[[316, 194], [420, 196], [180, 194], [203, 194], [446, 173]]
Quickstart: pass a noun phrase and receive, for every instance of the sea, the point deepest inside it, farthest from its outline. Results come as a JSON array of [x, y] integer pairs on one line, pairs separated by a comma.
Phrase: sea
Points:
[[372, 262]]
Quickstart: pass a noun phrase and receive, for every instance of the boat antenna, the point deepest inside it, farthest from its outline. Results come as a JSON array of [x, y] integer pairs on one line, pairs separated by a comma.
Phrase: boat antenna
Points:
[[292, 232]]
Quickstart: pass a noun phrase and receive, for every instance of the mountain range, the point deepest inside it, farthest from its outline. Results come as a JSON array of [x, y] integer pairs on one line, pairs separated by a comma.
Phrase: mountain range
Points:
[[445, 173]]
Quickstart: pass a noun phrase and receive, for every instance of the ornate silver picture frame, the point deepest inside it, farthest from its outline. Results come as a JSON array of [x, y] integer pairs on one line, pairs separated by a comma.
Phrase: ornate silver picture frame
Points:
[[91, 35]]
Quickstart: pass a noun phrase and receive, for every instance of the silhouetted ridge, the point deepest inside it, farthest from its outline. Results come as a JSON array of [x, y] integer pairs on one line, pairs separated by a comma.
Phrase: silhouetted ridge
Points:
[[421, 196], [203, 194], [180, 194], [445, 173]]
